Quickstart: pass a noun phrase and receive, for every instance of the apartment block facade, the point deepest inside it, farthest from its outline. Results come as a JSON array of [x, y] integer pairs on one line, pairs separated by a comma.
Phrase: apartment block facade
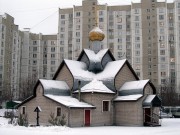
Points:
[[24, 57], [145, 33]]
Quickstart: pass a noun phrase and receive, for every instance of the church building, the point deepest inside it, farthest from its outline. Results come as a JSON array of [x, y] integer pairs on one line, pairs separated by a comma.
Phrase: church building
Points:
[[94, 90]]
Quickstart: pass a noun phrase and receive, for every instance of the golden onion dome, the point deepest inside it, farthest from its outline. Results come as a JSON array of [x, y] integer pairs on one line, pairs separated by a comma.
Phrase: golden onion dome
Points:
[[96, 34]]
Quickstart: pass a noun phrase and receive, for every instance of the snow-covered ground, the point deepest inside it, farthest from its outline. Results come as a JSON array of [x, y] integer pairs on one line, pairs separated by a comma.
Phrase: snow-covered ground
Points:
[[169, 127]]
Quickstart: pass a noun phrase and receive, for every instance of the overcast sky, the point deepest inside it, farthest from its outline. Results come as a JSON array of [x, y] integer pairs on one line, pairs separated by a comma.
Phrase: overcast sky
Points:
[[41, 16]]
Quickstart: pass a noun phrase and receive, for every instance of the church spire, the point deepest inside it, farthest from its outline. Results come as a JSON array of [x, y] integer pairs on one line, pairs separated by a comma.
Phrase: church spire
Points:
[[96, 35]]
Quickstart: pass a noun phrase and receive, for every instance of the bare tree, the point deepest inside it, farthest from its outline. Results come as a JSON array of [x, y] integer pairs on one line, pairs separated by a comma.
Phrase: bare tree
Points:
[[168, 93], [26, 88]]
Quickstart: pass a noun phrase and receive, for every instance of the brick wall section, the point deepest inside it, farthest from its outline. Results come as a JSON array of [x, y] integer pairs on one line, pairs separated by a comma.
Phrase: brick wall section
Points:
[[98, 117], [65, 75], [132, 113], [76, 118], [48, 106], [125, 75]]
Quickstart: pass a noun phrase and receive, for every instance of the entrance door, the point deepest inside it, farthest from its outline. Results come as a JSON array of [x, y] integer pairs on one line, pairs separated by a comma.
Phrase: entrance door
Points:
[[87, 117], [147, 114]]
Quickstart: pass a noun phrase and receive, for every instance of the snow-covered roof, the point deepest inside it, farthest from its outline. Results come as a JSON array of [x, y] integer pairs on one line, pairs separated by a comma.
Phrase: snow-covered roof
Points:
[[128, 97], [79, 70], [152, 100], [95, 86], [69, 101], [133, 87], [55, 87], [95, 57]]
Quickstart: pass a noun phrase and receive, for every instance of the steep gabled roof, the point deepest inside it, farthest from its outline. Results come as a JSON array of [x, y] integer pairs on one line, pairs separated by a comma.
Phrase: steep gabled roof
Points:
[[59, 92], [131, 91], [69, 101], [55, 87], [133, 87], [90, 54], [96, 61], [95, 86]]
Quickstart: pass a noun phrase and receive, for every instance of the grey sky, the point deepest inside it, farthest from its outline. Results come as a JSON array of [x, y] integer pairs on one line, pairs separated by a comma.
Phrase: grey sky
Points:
[[42, 15]]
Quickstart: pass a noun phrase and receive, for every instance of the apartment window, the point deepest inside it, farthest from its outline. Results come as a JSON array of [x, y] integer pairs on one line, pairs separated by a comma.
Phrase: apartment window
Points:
[[162, 45], [136, 11], [106, 106], [163, 81], [119, 26], [2, 44], [137, 25], [119, 40], [163, 74], [62, 42], [78, 20], [137, 46], [119, 19], [52, 42], [161, 10], [52, 55], [161, 17], [77, 34], [2, 35], [34, 42], [178, 5], [34, 62], [23, 110], [138, 73], [101, 19], [163, 59], [136, 18], [62, 29], [161, 24], [44, 61], [63, 22], [119, 47], [137, 53], [78, 13], [62, 16], [34, 55], [137, 60], [53, 62], [52, 69], [162, 52], [70, 15], [77, 27], [61, 49], [53, 49], [2, 28], [58, 111], [34, 48], [137, 38], [77, 40], [100, 12]]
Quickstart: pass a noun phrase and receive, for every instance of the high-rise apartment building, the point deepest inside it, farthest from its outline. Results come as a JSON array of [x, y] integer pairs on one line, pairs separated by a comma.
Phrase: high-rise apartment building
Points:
[[145, 33], [24, 56], [10, 42]]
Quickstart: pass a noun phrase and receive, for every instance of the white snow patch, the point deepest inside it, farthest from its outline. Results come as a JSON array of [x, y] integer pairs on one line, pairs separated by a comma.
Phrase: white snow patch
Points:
[[96, 86], [49, 84], [128, 98], [95, 57], [169, 127], [134, 85], [69, 101]]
